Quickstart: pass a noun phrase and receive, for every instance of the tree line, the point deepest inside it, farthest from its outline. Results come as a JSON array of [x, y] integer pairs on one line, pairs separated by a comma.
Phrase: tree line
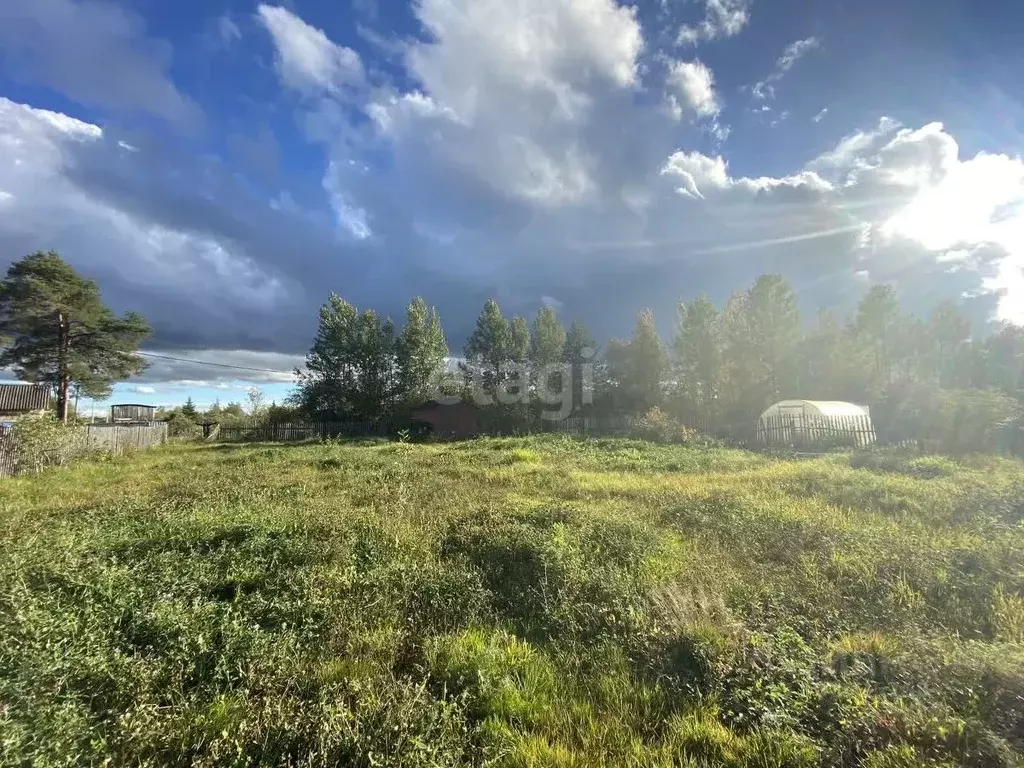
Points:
[[721, 364]]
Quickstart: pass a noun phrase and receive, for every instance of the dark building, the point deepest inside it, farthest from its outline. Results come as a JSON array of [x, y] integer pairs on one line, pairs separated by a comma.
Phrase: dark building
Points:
[[132, 412], [452, 421], [19, 399]]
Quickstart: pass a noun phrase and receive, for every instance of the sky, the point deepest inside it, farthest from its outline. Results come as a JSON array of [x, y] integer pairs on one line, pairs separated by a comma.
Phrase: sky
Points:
[[222, 165]]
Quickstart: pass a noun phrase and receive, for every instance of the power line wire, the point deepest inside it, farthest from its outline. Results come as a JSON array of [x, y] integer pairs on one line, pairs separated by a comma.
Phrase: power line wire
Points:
[[215, 365]]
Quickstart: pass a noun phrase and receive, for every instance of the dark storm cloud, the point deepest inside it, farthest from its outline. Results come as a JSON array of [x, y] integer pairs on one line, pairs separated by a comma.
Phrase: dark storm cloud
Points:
[[97, 53]]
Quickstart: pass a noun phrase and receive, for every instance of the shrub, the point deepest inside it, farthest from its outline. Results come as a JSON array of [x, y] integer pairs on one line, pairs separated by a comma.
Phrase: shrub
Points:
[[950, 421], [181, 428], [661, 427], [42, 441]]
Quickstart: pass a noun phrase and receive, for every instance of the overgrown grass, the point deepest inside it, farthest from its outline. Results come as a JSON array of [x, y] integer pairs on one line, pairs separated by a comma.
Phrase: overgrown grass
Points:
[[527, 602]]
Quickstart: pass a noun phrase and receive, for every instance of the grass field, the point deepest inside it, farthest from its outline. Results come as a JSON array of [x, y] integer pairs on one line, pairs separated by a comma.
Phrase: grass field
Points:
[[514, 602]]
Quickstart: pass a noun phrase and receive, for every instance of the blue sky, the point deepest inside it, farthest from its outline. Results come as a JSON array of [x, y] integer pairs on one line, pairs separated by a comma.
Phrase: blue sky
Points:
[[221, 166]]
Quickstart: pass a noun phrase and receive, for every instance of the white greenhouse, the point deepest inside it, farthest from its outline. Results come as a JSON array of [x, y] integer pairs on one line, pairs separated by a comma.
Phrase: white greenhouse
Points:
[[810, 422]]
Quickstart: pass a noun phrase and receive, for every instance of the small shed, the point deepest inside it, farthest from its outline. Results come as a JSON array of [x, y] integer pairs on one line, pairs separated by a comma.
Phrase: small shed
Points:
[[132, 413], [803, 422], [449, 420], [21, 399]]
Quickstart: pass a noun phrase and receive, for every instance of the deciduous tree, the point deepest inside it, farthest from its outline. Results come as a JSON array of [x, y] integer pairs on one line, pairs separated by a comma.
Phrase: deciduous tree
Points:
[[422, 352], [698, 354], [487, 349], [580, 348]]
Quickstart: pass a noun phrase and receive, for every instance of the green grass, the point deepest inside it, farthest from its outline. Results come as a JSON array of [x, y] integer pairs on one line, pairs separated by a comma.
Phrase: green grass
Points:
[[519, 602]]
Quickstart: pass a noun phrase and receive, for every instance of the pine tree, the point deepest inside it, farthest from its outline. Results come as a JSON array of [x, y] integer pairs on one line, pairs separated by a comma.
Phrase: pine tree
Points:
[[57, 330], [189, 409]]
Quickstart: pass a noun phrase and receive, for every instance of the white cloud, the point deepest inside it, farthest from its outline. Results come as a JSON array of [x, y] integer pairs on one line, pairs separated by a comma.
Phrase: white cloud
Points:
[[145, 390], [535, 45], [765, 89], [796, 51], [845, 156], [693, 84], [916, 207], [97, 53], [821, 115], [228, 31], [505, 90], [698, 174], [306, 59], [722, 18], [695, 170]]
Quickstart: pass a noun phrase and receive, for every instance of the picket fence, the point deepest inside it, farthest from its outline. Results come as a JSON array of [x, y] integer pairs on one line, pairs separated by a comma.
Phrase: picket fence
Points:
[[125, 438], [822, 431], [8, 456]]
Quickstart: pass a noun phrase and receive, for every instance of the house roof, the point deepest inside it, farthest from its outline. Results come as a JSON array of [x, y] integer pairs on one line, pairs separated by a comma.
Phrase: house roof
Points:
[[24, 397]]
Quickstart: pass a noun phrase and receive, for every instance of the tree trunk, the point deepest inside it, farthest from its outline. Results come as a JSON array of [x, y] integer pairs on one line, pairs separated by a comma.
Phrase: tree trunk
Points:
[[63, 379]]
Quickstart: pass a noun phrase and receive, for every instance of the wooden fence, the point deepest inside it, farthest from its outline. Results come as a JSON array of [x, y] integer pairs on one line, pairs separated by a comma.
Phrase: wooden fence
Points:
[[807, 431], [124, 438], [812, 433], [492, 425], [8, 456], [296, 432], [114, 438]]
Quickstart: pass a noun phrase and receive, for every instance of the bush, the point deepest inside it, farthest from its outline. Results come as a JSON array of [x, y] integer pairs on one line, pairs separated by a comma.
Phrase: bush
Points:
[[661, 427], [181, 428], [42, 441], [948, 420]]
